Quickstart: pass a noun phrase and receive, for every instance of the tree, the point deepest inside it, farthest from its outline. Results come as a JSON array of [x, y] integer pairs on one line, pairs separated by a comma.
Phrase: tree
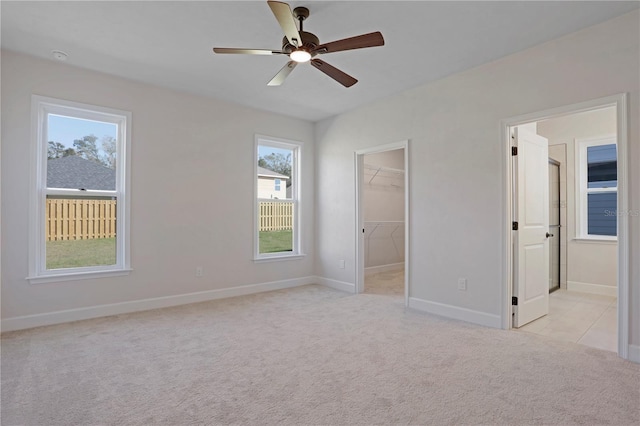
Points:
[[69, 152], [277, 162], [109, 147], [57, 150], [87, 149]]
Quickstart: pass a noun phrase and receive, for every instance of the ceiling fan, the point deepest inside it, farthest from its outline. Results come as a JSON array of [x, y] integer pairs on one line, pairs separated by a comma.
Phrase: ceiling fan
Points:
[[302, 46]]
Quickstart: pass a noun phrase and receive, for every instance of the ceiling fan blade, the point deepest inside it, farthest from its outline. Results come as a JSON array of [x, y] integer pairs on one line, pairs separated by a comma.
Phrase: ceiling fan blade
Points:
[[357, 42], [285, 18], [247, 51], [282, 74], [345, 79]]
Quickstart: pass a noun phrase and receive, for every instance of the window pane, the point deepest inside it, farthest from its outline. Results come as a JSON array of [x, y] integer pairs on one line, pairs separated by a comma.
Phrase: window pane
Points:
[[276, 166], [275, 226], [274, 173], [602, 208], [602, 166], [80, 231], [79, 159]]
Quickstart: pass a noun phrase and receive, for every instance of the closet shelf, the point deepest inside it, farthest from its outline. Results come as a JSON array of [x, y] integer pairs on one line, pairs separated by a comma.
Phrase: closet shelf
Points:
[[374, 171]]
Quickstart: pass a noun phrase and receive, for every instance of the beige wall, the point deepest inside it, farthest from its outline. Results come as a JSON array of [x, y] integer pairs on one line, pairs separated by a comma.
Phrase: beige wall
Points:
[[184, 149], [590, 264], [457, 199]]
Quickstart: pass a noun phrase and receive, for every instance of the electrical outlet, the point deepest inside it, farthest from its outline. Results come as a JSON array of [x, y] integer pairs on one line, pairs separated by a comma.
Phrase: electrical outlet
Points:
[[462, 284], [341, 264], [199, 271]]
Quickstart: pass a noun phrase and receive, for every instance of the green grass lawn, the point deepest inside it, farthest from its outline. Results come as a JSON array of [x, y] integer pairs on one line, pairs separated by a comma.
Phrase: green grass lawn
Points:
[[78, 253], [276, 241]]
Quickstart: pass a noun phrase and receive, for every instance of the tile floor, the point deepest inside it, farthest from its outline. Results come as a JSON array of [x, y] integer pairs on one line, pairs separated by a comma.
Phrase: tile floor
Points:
[[587, 319]]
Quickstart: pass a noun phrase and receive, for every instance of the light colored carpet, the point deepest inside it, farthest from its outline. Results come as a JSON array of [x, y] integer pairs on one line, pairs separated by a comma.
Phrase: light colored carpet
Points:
[[309, 355]]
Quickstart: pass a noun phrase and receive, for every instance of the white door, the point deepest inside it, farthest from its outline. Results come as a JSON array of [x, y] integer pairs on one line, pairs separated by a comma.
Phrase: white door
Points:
[[531, 251]]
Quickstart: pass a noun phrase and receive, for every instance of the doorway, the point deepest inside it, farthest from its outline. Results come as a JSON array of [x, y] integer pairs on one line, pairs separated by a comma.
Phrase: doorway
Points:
[[555, 226], [382, 220], [582, 232]]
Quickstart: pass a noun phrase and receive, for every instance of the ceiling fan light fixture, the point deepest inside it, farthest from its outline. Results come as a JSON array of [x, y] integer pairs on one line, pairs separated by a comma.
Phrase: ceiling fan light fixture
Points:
[[302, 46], [300, 56]]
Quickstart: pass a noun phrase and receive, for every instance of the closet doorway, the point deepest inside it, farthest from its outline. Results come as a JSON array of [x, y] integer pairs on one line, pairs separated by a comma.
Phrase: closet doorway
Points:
[[382, 218]]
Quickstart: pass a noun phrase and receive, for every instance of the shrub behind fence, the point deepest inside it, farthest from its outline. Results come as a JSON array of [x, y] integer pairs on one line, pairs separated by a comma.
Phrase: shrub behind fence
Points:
[[80, 219], [275, 216]]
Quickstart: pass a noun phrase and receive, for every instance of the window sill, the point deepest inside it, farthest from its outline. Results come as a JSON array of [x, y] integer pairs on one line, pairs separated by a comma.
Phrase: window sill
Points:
[[277, 258], [43, 279], [596, 240]]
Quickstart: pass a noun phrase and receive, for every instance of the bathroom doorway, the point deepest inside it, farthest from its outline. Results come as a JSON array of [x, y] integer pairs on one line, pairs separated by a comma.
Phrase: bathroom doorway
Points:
[[584, 294], [555, 226]]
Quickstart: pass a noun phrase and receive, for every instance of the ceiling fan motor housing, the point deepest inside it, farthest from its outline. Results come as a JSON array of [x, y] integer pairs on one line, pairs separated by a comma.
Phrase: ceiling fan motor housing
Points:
[[305, 46], [309, 42]]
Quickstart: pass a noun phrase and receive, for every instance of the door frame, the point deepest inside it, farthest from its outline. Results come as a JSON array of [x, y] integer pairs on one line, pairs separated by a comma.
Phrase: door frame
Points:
[[557, 164], [620, 101], [359, 191]]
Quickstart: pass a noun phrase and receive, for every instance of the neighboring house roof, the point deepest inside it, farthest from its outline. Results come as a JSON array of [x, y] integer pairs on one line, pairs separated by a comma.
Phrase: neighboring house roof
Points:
[[270, 173], [75, 172]]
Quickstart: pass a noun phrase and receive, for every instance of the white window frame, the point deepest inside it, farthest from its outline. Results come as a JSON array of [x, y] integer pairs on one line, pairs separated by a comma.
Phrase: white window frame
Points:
[[296, 159], [582, 189], [41, 107]]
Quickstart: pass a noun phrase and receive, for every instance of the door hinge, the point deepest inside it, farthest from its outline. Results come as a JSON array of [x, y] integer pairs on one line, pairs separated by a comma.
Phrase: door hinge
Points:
[[514, 150], [514, 226], [514, 301]]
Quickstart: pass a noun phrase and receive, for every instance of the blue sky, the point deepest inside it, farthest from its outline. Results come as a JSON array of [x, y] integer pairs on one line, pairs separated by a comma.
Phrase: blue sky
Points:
[[266, 150], [66, 129]]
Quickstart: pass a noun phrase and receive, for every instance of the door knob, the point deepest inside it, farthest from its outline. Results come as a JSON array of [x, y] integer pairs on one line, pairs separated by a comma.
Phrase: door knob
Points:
[[549, 235]]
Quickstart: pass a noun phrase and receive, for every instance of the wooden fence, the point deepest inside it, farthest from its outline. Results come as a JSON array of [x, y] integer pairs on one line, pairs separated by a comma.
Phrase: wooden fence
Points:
[[275, 216], [80, 219]]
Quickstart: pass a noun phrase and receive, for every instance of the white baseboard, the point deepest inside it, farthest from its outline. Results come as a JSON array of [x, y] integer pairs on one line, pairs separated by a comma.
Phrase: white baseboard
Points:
[[338, 285], [383, 268], [456, 312], [605, 290], [634, 353], [58, 317]]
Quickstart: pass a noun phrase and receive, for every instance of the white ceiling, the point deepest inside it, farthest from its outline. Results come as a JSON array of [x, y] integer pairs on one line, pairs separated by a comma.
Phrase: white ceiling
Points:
[[169, 43]]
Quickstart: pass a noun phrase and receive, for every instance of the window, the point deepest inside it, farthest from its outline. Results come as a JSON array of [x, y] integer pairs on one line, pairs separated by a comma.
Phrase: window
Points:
[[79, 219], [277, 209], [598, 188]]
